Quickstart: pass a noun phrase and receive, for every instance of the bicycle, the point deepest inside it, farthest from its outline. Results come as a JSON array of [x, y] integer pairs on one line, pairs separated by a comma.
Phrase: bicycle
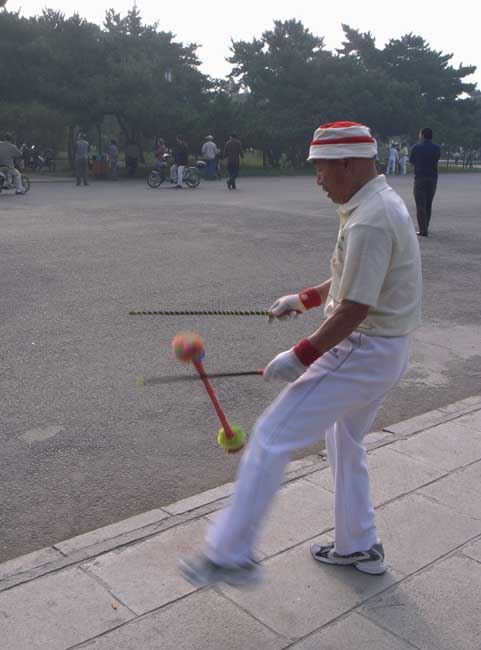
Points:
[[160, 174], [7, 181]]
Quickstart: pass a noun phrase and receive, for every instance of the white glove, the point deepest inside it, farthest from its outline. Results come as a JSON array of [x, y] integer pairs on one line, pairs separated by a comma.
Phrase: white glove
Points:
[[284, 367], [286, 308]]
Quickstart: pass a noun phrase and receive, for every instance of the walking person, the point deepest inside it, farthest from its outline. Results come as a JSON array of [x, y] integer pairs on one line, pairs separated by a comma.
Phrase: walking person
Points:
[[209, 153], [425, 157], [392, 159], [233, 153], [339, 375], [113, 154], [81, 155], [181, 159]]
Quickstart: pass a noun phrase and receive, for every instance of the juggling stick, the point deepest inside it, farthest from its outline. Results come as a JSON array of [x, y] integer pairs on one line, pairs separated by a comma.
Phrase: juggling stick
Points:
[[190, 347], [142, 381], [231, 438], [199, 312]]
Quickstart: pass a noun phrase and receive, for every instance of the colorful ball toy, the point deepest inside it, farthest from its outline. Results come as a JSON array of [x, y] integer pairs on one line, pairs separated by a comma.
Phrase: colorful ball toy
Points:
[[188, 346]]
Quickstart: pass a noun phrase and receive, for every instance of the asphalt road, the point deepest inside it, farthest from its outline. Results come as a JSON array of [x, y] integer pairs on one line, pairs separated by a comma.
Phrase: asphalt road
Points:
[[82, 445]]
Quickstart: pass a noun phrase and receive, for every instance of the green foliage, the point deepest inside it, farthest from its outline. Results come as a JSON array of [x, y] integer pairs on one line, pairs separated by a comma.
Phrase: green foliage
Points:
[[59, 74]]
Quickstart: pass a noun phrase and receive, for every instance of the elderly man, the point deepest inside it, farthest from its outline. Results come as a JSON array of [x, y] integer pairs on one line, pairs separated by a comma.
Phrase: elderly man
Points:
[[340, 374], [209, 153]]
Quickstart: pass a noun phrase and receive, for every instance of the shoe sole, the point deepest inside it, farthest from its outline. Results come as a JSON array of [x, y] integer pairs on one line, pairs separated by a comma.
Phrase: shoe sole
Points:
[[372, 568]]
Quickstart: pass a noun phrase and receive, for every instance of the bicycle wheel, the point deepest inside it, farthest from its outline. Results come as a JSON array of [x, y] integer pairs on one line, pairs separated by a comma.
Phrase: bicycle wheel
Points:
[[155, 178], [25, 183], [193, 179]]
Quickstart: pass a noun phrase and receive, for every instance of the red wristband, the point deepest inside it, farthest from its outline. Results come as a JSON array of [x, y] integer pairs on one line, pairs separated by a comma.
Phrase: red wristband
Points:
[[306, 352], [310, 298]]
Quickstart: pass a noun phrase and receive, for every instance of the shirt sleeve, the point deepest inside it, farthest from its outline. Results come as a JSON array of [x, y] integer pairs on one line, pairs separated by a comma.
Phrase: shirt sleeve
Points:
[[367, 258], [412, 155]]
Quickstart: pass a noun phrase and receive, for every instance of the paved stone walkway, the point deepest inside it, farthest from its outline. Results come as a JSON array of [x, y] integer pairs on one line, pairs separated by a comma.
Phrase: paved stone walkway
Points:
[[117, 588]]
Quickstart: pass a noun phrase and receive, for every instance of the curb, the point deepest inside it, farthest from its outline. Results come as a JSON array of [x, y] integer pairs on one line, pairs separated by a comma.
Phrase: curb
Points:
[[140, 527]]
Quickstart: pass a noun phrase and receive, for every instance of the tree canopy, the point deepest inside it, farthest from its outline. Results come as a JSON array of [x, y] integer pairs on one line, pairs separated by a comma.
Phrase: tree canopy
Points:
[[68, 73]]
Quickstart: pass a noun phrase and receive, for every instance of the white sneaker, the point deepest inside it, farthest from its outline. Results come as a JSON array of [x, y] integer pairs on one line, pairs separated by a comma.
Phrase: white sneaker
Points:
[[371, 561]]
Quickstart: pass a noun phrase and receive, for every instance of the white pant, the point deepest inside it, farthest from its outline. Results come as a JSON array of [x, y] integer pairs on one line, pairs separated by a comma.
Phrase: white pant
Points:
[[180, 174], [404, 162], [16, 177], [391, 166], [336, 398]]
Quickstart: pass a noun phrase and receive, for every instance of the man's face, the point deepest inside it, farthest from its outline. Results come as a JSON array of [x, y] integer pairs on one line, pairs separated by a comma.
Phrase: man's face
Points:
[[335, 178]]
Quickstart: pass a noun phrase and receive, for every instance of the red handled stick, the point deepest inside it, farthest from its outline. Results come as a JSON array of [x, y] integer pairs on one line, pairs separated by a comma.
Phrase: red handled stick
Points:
[[213, 397]]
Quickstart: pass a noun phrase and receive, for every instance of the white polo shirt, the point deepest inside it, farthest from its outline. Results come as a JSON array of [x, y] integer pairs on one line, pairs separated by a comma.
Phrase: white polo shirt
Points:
[[377, 261]]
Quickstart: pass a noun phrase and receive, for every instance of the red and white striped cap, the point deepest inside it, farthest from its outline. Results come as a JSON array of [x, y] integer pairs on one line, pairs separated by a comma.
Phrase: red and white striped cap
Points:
[[342, 140]]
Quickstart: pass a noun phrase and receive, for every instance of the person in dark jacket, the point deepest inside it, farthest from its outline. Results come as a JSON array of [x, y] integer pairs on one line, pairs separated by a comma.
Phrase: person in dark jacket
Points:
[[425, 157], [181, 158], [131, 158], [233, 152]]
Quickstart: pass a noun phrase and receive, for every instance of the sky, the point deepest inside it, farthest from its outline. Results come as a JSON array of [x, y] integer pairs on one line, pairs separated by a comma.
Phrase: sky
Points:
[[213, 23]]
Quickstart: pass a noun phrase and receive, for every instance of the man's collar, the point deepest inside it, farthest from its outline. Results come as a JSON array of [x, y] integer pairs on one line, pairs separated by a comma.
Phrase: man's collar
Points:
[[372, 187]]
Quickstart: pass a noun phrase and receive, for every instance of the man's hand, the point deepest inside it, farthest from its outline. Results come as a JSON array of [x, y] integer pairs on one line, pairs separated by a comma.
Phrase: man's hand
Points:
[[286, 308], [297, 303], [284, 367]]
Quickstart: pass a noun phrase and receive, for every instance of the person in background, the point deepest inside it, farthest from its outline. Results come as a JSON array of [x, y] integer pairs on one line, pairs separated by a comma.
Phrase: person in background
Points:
[[233, 153], [404, 155], [113, 154], [425, 157], [131, 158], [81, 156], [392, 159], [181, 159], [160, 152], [25, 149], [209, 153], [9, 153]]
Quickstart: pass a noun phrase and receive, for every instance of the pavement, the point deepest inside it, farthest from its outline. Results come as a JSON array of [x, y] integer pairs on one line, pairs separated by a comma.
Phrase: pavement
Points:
[[118, 588]]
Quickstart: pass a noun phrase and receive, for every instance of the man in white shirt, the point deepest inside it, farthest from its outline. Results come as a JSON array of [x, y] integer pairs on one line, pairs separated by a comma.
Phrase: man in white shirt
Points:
[[392, 159], [209, 153], [338, 376]]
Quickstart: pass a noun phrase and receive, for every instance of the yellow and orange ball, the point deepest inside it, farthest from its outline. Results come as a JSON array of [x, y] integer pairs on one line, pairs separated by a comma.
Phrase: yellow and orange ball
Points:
[[188, 346]]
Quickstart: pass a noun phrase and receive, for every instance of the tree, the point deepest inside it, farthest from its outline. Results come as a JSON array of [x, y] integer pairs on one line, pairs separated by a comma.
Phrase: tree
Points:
[[152, 83], [278, 76], [419, 83]]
